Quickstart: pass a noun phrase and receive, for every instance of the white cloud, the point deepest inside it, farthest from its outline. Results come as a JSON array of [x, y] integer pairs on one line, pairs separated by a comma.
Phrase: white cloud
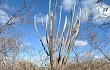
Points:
[[15, 20], [87, 54], [85, 8], [100, 11], [99, 57], [80, 43], [44, 18], [21, 45], [85, 13], [87, 3], [3, 16], [68, 4], [93, 55], [28, 44]]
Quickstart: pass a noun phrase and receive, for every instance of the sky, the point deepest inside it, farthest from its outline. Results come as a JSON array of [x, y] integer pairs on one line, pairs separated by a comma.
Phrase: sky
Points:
[[40, 8]]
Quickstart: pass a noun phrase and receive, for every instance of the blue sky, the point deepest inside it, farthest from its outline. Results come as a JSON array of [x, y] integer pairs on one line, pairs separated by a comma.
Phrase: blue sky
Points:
[[40, 8]]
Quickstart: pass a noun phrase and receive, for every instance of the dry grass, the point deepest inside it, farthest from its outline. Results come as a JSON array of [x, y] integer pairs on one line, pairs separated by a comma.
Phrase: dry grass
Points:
[[25, 65], [89, 66]]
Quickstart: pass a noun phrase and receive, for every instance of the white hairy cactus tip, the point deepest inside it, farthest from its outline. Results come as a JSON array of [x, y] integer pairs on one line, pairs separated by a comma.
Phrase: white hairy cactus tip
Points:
[[60, 14], [49, 7], [47, 21], [65, 24], [35, 21], [80, 14], [42, 19], [60, 8]]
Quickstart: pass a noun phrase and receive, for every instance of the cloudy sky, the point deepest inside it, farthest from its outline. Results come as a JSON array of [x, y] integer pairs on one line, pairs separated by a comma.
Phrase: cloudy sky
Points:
[[96, 12]]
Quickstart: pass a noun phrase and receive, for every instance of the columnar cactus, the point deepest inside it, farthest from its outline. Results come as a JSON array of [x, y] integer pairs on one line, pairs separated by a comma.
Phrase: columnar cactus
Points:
[[59, 46]]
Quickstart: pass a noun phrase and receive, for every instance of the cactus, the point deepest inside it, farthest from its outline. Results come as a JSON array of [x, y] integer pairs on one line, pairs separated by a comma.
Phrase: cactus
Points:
[[62, 43]]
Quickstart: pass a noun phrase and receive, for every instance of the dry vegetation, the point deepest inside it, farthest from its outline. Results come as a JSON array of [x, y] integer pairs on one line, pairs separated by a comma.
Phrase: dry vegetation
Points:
[[26, 65], [58, 46]]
